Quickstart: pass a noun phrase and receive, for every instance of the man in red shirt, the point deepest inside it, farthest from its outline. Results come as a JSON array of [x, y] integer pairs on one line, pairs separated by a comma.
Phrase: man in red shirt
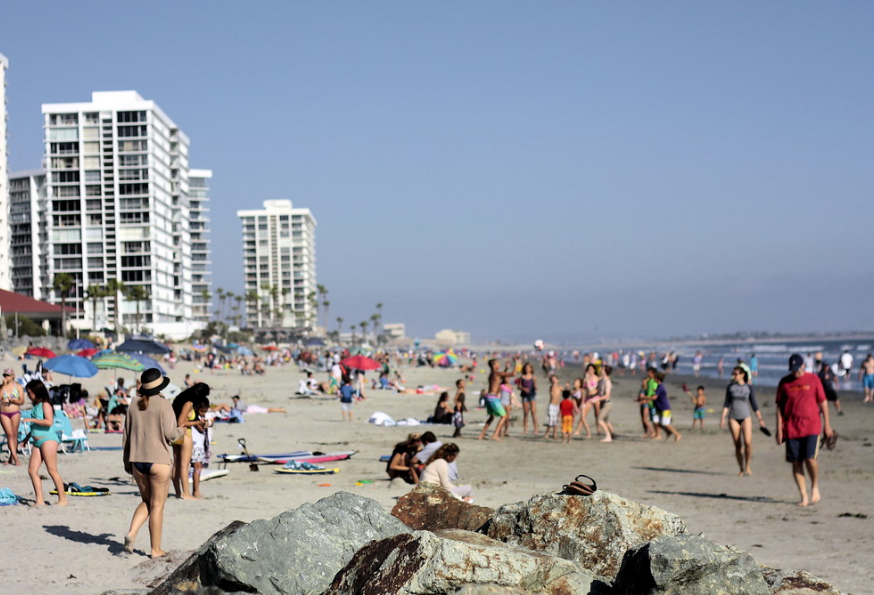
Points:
[[800, 403]]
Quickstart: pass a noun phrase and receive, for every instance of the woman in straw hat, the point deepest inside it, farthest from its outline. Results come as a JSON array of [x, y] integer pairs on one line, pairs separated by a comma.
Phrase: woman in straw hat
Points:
[[149, 429]]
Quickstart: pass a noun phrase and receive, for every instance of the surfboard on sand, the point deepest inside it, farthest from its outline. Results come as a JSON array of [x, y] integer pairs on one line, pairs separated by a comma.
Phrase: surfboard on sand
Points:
[[285, 471], [314, 457], [241, 458], [208, 474]]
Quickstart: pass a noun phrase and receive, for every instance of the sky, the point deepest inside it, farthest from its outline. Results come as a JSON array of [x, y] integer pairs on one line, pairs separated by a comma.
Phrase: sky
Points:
[[567, 170]]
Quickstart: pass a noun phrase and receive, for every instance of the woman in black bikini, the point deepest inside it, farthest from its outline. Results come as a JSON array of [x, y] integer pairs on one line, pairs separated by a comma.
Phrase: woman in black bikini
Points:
[[528, 392]]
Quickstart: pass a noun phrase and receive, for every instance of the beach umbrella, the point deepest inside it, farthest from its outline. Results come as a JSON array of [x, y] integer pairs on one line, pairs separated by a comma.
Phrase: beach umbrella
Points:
[[117, 361], [270, 348], [142, 346], [314, 342], [78, 344], [233, 345], [71, 365], [200, 348], [445, 358], [40, 352], [361, 362], [245, 351], [147, 361], [87, 353]]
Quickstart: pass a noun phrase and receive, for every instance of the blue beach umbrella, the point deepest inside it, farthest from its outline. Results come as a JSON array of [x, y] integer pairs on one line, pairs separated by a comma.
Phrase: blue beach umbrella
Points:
[[80, 344], [142, 346], [147, 361], [71, 365], [245, 351]]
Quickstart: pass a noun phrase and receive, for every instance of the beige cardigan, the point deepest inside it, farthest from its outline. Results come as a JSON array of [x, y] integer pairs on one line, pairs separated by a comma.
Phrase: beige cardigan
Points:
[[148, 434]]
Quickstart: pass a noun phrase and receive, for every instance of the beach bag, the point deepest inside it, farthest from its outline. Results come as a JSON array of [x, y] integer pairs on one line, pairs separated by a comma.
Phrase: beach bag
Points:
[[7, 497]]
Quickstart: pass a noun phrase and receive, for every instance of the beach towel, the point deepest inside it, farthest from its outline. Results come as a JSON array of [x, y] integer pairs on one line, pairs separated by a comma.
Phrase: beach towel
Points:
[[381, 419], [7, 497], [74, 489]]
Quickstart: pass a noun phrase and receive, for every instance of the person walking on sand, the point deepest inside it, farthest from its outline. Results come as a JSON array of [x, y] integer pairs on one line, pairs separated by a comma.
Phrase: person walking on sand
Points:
[[830, 385], [801, 403], [568, 408], [11, 400], [149, 429], [553, 410], [866, 377], [644, 398], [739, 399], [45, 442], [605, 392], [528, 391], [493, 399], [663, 407], [699, 403]]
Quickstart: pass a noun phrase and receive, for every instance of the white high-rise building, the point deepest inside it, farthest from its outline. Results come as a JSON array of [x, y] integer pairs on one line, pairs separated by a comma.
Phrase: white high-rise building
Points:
[[198, 226], [27, 232], [279, 264], [5, 258], [118, 209]]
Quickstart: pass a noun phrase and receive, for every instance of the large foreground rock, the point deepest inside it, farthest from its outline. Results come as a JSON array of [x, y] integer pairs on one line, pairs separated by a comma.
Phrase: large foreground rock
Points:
[[689, 565], [430, 507], [295, 553], [594, 531], [425, 563]]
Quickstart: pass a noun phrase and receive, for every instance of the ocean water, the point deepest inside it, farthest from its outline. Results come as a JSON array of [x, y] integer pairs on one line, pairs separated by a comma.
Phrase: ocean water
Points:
[[773, 357]]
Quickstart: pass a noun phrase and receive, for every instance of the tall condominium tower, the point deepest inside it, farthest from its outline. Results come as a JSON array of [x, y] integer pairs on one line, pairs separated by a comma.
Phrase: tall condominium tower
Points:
[[279, 264], [118, 210], [27, 232], [198, 226], [5, 260]]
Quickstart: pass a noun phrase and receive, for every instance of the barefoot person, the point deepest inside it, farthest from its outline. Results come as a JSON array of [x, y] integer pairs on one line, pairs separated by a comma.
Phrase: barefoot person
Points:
[[149, 428], [11, 400], [866, 376], [528, 391], [663, 407], [186, 417], [45, 442], [739, 399], [800, 405], [493, 399]]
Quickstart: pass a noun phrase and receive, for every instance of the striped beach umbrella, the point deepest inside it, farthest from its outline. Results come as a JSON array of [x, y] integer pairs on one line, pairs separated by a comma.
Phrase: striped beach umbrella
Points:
[[117, 361], [445, 358]]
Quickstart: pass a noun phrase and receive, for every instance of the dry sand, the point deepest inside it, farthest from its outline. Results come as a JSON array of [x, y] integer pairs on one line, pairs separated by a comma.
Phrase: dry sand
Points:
[[77, 549]]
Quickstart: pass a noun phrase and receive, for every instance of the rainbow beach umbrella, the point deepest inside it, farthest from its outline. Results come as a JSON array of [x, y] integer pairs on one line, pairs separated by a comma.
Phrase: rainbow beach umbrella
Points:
[[117, 361], [445, 358]]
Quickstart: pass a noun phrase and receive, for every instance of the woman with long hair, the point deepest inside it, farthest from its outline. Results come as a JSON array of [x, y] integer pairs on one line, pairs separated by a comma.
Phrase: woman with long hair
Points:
[[45, 441], [739, 398], [437, 471], [400, 463], [149, 428], [528, 391], [11, 400], [186, 418]]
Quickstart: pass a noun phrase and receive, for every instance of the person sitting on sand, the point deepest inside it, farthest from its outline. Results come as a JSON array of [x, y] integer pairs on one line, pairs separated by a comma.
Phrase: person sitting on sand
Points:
[[443, 411], [437, 471], [400, 463]]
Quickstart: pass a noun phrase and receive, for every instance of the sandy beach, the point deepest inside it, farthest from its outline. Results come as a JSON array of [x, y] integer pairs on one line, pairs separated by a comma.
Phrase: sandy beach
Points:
[[78, 549]]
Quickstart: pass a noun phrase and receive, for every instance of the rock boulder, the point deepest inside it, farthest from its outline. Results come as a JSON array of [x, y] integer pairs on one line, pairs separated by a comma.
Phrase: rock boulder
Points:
[[433, 508], [424, 563], [796, 582], [295, 553], [594, 531], [688, 565]]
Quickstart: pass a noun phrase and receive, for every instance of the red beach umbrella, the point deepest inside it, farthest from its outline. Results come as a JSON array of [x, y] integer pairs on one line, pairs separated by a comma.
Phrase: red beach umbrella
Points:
[[87, 352], [40, 352], [270, 348], [361, 362]]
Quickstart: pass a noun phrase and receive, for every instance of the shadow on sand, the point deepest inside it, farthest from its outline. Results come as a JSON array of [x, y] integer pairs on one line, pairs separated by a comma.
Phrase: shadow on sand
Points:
[[110, 541], [764, 499]]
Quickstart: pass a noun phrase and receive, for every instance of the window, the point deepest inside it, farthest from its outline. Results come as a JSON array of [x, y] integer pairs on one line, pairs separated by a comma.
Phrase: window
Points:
[[92, 162], [92, 118], [138, 116], [63, 134], [64, 119], [128, 189], [133, 174], [68, 249], [92, 175], [92, 190], [128, 131], [95, 262], [65, 206], [133, 160], [65, 163], [95, 219], [91, 133], [135, 217], [136, 261], [95, 248], [133, 145], [66, 176], [64, 148], [68, 263]]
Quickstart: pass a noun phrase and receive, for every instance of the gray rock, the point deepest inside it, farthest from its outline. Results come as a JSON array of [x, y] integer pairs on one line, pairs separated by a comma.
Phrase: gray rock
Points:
[[796, 582], [425, 563], [295, 553], [688, 565], [594, 531], [433, 508]]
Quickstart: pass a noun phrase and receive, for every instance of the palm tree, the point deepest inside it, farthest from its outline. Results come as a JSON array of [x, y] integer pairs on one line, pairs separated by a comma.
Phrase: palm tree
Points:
[[339, 327], [374, 319], [63, 283], [229, 295], [137, 294], [205, 296], [113, 286], [326, 304], [239, 299], [363, 325], [94, 293], [322, 291], [221, 295]]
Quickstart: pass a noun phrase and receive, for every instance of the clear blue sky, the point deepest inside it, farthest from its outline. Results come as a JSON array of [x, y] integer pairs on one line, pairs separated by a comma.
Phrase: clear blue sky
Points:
[[559, 170]]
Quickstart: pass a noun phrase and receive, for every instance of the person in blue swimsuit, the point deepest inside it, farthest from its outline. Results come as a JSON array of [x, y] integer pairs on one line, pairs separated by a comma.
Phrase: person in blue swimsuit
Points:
[[45, 442]]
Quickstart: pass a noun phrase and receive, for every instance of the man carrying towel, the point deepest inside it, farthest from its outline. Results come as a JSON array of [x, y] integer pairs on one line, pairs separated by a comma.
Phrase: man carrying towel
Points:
[[800, 404]]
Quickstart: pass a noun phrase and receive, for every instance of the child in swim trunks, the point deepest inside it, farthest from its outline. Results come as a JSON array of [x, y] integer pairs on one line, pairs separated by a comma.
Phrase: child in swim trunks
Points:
[[699, 401], [568, 408], [552, 411]]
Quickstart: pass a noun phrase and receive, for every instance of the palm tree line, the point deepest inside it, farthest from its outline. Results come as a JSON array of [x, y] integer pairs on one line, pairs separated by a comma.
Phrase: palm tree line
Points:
[[64, 283]]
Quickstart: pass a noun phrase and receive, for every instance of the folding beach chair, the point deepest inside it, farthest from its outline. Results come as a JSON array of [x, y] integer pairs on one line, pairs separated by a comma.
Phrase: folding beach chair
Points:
[[71, 440]]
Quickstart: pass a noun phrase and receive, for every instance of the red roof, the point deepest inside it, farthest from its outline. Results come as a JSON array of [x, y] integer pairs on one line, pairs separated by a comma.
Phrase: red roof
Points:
[[15, 302]]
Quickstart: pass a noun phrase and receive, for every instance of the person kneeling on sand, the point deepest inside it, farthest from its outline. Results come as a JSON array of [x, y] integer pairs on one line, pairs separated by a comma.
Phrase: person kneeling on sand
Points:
[[437, 471], [400, 463]]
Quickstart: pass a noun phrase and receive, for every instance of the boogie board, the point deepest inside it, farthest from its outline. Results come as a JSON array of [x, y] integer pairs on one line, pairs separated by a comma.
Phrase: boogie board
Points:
[[74, 489], [253, 458], [208, 474], [307, 471], [314, 458]]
